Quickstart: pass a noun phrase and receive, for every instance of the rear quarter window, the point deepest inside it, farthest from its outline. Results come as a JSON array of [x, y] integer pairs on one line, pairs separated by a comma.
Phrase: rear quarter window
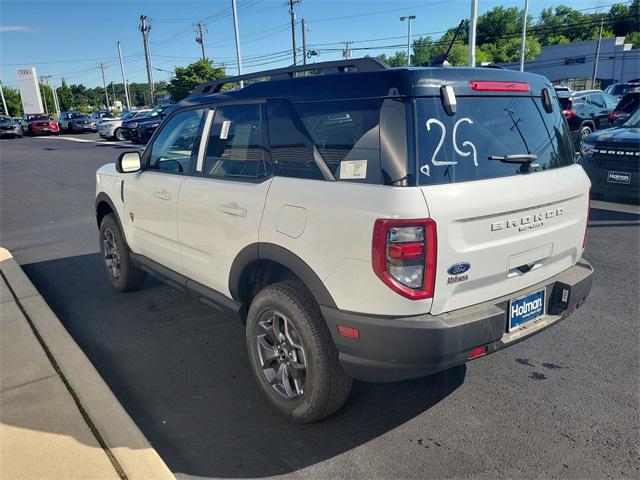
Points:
[[458, 148]]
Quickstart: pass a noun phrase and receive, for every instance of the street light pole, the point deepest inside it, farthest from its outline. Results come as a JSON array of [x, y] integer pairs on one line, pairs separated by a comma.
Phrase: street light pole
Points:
[[237, 32], [524, 34], [472, 33], [304, 42], [409, 19], [124, 81]]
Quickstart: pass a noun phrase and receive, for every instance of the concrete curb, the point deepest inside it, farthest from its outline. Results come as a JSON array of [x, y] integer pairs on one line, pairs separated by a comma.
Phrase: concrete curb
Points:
[[122, 438]]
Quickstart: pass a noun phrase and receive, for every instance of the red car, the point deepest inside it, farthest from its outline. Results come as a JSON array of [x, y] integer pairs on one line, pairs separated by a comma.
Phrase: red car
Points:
[[41, 125]]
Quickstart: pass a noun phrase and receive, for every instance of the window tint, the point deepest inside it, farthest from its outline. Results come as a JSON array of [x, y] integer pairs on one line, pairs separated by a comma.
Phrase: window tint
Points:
[[347, 135], [173, 148], [236, 143], [468, 145], [292, 151], [597, 100]]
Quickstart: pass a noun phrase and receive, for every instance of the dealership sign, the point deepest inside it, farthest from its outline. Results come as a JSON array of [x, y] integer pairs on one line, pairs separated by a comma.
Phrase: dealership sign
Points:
[[29, 90]]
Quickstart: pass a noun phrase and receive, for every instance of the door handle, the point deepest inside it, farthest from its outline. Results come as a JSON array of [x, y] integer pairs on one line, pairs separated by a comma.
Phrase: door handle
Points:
[[162, 195], [233, 209]]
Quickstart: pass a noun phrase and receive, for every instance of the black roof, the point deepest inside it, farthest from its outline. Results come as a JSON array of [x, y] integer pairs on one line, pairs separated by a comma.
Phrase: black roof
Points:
[[368, 78]]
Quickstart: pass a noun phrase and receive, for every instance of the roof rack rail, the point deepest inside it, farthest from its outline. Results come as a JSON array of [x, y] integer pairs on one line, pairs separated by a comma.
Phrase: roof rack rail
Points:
[[338, 66]]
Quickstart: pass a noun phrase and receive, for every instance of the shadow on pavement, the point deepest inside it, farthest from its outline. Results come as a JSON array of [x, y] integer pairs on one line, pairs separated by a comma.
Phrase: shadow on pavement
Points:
[[179, 369]]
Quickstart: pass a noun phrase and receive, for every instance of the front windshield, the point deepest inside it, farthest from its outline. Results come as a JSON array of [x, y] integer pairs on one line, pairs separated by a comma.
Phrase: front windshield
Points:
[[77, 115], [128, 115], [5, 120], [634, 120]]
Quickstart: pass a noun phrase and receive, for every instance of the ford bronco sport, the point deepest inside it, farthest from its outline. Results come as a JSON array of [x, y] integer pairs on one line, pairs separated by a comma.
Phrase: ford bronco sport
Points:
[[363, 222]]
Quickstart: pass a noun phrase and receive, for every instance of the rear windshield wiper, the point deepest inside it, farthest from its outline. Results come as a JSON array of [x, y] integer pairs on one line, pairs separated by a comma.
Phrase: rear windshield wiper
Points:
[[516, 158]]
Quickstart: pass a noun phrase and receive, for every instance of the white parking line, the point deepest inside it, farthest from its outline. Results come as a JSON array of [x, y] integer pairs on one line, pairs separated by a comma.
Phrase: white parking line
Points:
[[615, 207], [71, 139]]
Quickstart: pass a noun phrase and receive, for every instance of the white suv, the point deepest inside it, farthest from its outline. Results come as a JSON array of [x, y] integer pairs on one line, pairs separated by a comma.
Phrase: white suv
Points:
[[365, 222]]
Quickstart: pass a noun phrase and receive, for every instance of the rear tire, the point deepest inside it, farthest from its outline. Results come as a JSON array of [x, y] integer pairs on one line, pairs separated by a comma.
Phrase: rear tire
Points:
[[120, 270], [292, 355]]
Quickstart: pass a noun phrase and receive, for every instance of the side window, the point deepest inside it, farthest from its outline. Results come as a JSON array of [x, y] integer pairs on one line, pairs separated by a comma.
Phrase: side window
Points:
[[347, 135], [291, 148], [173, 148], [236, 147], [597, 100]]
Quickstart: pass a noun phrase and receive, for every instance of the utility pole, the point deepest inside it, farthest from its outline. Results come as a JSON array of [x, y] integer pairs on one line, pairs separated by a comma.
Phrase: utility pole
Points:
[[101, 66], [346, 53], [200, 37], [44, 99], [472, 33], [292, 13], [4, 103], [124, 81], [409, 19], [304, 42], [144, 28], [595, 63], [524, 34], [54, 94], [237, 32]]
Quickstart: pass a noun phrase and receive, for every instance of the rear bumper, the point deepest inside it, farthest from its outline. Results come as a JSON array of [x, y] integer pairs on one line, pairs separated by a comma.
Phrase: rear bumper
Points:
[[391, 349]]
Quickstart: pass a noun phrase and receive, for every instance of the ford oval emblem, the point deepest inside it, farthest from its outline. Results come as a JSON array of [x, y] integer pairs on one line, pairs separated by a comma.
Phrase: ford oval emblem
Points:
[[458, 268]]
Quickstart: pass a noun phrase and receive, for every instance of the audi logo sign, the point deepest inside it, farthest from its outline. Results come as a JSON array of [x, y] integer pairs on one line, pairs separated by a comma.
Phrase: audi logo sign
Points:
[[29, 90]]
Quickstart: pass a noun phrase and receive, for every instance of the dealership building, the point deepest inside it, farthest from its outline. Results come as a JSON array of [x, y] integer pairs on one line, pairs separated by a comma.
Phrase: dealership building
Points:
[[572, 64]]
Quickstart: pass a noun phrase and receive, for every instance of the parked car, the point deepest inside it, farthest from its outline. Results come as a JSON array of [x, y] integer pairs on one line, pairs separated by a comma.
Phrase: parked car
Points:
[[618, 90], [99, 115], [131, 131], [625, 107], [110, 127], [74, 122], [22, 122], [611, 158], [9, 127], [367, 222], [38, 124], [586, 111]]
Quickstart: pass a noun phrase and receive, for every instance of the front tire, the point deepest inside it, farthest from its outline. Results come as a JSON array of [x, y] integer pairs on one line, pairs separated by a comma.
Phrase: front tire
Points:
[[120, 270], [583, 132], [118, 135], [292, 355]]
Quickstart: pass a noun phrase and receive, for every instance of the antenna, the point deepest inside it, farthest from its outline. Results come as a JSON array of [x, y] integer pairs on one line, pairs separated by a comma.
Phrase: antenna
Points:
[[441, 60]]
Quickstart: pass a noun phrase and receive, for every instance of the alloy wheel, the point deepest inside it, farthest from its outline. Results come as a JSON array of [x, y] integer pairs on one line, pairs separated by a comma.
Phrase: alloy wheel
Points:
[[111, 253], [282, 358]]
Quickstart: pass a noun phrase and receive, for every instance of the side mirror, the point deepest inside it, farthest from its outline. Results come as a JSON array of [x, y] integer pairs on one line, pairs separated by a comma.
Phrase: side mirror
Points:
[[128, 162]]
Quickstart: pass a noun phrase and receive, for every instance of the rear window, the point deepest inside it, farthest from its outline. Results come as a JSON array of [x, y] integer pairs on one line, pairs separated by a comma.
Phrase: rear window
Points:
[[458, 148]]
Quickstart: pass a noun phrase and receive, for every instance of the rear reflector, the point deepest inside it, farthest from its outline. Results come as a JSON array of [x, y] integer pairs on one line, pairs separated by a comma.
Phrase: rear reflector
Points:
[[349, 332], [476, 352], [490, 86]]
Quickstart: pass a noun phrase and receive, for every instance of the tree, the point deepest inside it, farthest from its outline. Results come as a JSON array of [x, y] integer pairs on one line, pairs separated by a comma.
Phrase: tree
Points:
[[65, 97], [399, 59], [14, 103], [47, 99], [189, 77]]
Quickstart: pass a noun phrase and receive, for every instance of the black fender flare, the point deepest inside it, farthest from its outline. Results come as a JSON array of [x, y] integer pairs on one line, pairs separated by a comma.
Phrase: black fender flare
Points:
[[278, 254], [104, 198]]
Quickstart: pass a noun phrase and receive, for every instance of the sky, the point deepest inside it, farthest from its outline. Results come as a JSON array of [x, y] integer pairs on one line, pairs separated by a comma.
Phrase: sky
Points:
[[69, 39]]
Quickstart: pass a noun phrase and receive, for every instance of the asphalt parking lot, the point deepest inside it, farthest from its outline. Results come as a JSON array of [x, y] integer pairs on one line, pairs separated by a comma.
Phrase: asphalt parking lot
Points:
[[565, 403]]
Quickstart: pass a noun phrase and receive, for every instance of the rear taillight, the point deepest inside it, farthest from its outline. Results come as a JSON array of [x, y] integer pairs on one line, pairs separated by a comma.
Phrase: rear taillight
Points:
[[404, 256], [568, 113], [491, 86], [584, 239], [613, 115]]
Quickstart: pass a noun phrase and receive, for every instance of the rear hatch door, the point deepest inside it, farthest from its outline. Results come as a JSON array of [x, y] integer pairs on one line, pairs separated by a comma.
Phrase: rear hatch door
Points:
[[501, 226]]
